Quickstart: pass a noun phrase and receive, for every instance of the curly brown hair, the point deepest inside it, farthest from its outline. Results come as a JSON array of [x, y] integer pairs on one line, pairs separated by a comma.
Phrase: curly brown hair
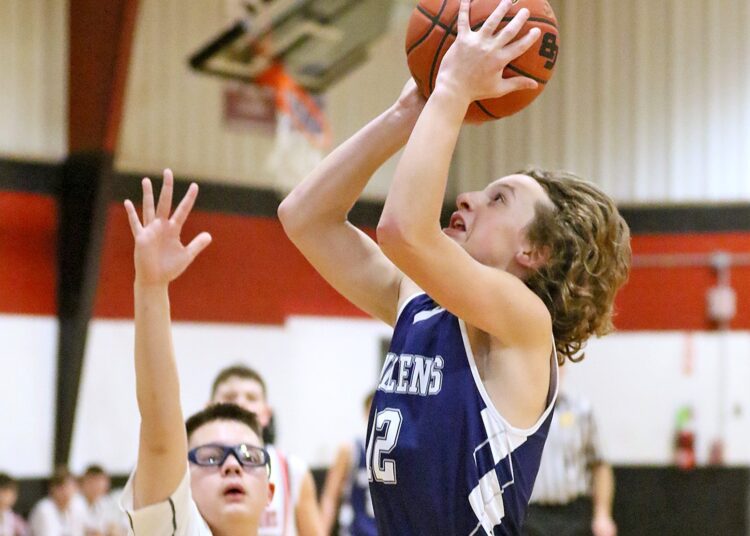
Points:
[[589, 246]]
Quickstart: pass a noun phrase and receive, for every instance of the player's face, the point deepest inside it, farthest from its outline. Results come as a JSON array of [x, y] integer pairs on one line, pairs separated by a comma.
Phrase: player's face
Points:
[[8, 497], [63, 493], [246, 393], [491, 224], [94, 487], [231, 494]]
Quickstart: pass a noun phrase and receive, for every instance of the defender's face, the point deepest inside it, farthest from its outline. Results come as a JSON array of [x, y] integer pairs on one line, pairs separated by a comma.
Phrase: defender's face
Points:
[[491, 224], [246, 393], [229, 494]]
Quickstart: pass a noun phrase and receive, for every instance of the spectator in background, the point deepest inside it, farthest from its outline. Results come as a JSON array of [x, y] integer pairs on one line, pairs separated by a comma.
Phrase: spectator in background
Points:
[[58, 514], [574, 488], [294, 508], [103, 516], [11, 524], [347, 483]]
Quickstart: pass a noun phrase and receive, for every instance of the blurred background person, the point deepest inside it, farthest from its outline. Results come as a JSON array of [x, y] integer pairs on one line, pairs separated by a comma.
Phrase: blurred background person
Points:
[[574, 488], [294, 508], [11, 524], [59, 513], [102, 515], [347, 489]]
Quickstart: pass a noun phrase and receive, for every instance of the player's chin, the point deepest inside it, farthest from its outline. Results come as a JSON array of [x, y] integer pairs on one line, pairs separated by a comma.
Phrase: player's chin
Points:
[[234, 508]]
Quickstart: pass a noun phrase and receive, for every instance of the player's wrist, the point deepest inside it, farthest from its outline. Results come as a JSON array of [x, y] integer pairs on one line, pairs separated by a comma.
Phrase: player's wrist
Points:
[[603, 515], [142, 285], [403, 115], [451, 96]]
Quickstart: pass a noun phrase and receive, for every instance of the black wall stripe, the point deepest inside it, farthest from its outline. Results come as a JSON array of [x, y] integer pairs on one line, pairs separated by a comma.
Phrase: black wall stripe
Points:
[[44, 178], [38, 177]]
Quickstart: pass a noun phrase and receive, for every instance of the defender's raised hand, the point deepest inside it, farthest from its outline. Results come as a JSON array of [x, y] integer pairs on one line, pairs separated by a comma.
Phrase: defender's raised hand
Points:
[[160, 256], [474, 64]]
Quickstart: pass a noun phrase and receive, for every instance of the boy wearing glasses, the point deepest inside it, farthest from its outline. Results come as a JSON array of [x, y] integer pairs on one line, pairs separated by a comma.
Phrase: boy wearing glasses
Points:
[[210, 475]]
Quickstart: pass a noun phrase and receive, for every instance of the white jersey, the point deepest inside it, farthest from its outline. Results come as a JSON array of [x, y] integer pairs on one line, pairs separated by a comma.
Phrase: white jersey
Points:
[[287, 473], [47, 520], [177, 516]]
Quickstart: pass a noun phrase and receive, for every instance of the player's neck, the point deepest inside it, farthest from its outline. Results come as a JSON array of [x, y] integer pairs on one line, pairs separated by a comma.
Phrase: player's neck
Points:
[[239, 528]]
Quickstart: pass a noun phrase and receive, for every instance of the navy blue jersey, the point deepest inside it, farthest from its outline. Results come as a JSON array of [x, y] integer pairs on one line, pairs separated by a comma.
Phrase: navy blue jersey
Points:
[[441, 459], [356, 517]]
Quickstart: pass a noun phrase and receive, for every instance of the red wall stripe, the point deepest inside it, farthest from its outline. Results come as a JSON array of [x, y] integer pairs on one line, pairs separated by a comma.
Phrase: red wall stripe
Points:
[[28, 227], [675, 298], [251, 273]]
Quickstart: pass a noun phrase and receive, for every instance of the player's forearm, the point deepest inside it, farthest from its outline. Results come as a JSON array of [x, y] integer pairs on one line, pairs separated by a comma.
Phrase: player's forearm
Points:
[[603, 483], [330, 191], [416, 195], [157, 384]]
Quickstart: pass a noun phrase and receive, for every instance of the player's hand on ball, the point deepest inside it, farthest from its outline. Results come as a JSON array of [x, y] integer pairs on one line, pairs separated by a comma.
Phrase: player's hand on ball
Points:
[[160, 256], [473, 66]]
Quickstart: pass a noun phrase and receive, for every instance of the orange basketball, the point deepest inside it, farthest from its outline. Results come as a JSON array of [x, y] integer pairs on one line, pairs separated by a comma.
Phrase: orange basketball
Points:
[[432, 30]]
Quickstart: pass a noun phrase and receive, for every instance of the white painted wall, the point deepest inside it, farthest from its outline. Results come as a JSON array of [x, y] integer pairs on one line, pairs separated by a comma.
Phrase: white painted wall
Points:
[[27, 394], [318, 372], [637, 381]]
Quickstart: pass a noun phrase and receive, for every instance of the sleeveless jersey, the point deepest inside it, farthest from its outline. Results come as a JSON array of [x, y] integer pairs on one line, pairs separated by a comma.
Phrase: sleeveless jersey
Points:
[[441, 459], [356, 517], [287, 472]]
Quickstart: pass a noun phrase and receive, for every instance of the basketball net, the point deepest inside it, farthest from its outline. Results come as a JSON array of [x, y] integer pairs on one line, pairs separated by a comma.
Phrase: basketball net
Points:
[[302, 130]]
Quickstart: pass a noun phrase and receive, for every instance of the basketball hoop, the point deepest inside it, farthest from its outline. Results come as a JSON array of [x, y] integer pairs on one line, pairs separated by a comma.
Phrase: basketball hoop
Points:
[[303, 133]]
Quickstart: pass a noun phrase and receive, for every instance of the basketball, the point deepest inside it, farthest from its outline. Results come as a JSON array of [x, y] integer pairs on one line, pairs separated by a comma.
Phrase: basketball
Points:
[[432, 30]]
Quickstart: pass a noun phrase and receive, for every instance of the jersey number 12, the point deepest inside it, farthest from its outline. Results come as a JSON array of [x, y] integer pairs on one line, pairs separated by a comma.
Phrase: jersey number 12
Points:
[[379, 468]]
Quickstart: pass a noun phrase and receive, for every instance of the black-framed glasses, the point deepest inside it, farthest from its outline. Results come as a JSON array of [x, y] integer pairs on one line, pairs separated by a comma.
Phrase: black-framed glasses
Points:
[[214, 455]]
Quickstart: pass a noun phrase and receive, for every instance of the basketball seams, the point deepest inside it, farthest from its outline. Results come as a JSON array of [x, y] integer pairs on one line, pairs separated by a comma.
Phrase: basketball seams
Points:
[[524, 73], [438, 54], [435, 19]]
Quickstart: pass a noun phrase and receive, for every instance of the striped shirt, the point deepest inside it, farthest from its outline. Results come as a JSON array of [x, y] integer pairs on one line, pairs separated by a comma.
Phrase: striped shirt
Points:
[[571, 451]]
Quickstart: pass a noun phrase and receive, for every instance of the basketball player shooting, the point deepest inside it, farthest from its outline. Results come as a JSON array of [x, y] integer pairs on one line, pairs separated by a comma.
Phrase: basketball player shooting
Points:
[[483, 310]]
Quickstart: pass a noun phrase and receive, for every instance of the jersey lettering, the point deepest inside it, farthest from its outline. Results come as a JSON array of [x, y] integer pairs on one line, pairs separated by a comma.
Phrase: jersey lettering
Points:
[[414, 374]]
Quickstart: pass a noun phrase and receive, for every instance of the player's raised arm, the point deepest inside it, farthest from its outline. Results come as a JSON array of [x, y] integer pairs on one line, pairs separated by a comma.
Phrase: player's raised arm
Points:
[[160, 257], [460, 279], [314, 214]]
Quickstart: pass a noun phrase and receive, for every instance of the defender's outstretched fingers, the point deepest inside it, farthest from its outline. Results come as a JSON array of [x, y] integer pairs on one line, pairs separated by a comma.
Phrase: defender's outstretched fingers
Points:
[[496, 17], [165, 196], [463, 24], [149, 213], [511, 30], [519, 47], [186, 205], [198, 244], [135, 224]]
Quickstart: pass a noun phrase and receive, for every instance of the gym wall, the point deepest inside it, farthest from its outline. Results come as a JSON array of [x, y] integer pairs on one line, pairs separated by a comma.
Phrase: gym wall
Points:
[[676, 131]]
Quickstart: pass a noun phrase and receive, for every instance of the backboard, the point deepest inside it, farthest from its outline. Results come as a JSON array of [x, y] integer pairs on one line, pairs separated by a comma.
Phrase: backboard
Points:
[[317, 41]]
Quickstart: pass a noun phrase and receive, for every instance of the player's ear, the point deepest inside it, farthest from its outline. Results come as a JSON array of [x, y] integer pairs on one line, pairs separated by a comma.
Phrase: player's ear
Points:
[[532, 258], [271, 491]]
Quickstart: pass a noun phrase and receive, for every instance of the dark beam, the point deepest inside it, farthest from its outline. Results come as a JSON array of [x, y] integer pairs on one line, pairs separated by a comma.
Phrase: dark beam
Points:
[[101, 35], [83, 199]]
